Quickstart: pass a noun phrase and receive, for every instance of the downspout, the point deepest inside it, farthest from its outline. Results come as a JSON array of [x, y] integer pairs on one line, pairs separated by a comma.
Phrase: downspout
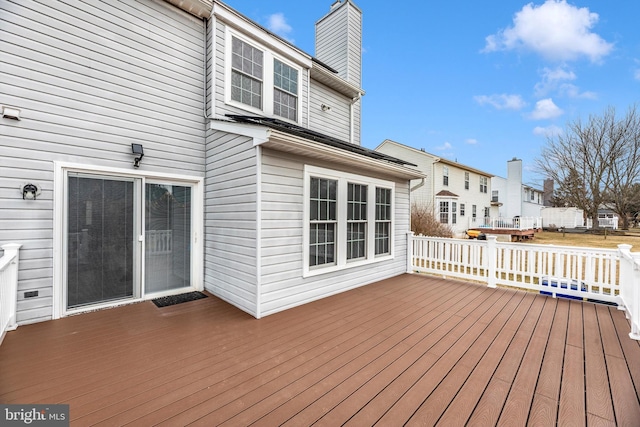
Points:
[[309, 98], [415, 187]]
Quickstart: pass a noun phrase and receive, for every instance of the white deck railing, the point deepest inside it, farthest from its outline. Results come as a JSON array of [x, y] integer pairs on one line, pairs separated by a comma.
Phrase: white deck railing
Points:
[[8, 288], [517, 223], [630, 288], [581, 273], [159, 242]]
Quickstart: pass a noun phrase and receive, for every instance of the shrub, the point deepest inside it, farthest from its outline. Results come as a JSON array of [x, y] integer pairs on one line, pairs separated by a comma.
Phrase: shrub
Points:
[[424, 222]]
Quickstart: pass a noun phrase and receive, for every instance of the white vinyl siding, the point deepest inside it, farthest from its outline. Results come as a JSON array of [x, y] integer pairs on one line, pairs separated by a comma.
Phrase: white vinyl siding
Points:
[[339, 42], [230, 219], [335, 122], [90, 78], [282, 284]]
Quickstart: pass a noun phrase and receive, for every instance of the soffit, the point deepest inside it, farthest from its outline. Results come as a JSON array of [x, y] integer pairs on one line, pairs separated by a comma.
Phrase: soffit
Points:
[[199, 8], [329, 78]]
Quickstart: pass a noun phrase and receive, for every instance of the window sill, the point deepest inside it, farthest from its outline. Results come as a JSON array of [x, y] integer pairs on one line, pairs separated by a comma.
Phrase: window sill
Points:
[[349, 265]]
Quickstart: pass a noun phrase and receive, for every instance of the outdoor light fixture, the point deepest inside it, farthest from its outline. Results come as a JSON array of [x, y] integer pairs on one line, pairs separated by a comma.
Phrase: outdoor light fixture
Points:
[[138, 151], [30, 191], [325, 107], [10, 113]]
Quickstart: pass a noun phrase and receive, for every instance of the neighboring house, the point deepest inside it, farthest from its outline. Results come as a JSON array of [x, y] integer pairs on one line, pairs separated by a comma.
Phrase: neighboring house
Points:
[[511, 198], [459, 195], [250, 180]]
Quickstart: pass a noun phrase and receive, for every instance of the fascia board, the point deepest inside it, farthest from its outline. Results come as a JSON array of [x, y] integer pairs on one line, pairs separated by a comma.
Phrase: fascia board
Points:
[[289, 143]]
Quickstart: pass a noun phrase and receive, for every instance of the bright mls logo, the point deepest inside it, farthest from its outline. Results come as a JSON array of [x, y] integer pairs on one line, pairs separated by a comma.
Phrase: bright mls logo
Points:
[[36, 415]]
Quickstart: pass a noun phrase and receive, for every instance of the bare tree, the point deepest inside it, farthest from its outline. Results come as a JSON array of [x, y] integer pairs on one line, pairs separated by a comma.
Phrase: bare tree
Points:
[[625, 172], [592, 160], [425, 223]]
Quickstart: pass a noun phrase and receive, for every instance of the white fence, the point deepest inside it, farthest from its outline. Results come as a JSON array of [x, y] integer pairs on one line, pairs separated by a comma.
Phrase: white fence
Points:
[[517, 223], [601, 275], [630, 288], [611, 223], [8, 288]]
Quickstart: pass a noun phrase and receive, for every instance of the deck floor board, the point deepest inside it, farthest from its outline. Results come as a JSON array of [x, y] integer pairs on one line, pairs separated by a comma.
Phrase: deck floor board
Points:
[[410, 350]]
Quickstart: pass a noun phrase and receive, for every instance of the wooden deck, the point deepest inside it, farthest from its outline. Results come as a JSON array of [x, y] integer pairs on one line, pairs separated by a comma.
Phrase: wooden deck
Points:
[[412, 349]]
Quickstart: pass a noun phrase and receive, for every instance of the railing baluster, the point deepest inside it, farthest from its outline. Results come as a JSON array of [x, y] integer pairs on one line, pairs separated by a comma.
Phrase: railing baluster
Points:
[[8, 288]]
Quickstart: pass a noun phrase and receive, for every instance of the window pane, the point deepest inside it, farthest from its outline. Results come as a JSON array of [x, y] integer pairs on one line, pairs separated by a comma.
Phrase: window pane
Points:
[[246, 63], [285, 81]]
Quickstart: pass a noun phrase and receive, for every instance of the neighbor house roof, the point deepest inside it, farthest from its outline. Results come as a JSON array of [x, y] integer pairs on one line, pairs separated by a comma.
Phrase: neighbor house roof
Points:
[[446, 193], [436, 159]]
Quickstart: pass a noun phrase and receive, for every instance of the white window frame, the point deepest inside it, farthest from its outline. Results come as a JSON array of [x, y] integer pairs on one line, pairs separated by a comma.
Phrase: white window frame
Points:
[[61, 172], [484, 184], [268, 86], [445, 176], [344, 178]]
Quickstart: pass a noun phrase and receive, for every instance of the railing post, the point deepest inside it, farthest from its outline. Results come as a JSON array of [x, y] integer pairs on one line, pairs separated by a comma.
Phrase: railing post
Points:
[[635, 292], [10, 293], [491, 261], [410, 252]]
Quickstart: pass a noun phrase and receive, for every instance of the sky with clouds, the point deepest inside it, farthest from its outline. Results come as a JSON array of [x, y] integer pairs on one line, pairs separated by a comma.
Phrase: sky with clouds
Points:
[[480, 82]]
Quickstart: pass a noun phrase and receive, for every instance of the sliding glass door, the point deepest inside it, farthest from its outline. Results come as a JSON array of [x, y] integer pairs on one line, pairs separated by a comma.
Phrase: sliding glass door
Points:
[[168, 237], [107, 220], [101, 244]]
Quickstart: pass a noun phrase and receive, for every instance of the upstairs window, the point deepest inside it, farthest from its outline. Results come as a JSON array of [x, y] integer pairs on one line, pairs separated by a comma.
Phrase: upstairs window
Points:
[[261, 79], [285, 92], [445, 176], [494, 195], [483, 184], [246, 73], [466, 180]]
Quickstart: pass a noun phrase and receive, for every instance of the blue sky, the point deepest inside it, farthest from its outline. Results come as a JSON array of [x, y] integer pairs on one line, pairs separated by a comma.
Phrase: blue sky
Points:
[[480, 82]]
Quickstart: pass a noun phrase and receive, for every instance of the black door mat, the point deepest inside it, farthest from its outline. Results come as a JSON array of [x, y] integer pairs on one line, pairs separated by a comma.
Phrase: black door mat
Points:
[[177, 299]]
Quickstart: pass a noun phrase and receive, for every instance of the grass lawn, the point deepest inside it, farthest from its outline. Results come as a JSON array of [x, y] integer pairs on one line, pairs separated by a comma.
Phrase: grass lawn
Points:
[[610, 241]]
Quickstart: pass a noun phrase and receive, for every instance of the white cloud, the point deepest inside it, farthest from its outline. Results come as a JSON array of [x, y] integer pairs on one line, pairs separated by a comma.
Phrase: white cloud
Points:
[[549, 131], [471, 141], [545, 109], [555, 80], [444, 147], [502, 101], [277, 23], [555, 30], [636, 75], [573, 91]]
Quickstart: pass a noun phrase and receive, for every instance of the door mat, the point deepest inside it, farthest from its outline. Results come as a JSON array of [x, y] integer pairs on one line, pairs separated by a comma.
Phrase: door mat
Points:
[[177, 299]]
